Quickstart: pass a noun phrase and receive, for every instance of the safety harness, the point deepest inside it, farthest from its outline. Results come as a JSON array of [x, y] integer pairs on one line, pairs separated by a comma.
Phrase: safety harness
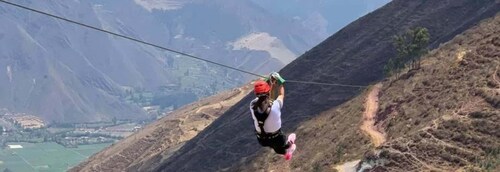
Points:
[[261, 118]]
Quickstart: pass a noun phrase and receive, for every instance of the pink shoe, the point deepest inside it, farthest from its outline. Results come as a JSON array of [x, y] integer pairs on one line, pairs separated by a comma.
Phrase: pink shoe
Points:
[[291, 138], [289, 152], [291, 149]]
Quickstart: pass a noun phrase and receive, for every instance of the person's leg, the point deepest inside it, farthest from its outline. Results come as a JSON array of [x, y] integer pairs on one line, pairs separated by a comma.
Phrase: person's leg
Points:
[[279, 144], [264, 142]]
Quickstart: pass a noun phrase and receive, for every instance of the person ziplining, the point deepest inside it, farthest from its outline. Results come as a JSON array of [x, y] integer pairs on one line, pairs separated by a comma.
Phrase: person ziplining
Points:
[[266, 113]]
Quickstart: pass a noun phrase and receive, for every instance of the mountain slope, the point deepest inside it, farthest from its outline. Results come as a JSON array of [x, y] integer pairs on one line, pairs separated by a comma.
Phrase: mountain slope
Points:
[[442, 117], [66, 73], [448, 117], [200, 33], [165, 135], [354, 55], [54, 71]]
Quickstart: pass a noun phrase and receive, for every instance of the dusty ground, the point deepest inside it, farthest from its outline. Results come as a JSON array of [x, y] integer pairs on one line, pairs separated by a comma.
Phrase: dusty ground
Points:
[[368, 127], [348, 167], [369, 117]]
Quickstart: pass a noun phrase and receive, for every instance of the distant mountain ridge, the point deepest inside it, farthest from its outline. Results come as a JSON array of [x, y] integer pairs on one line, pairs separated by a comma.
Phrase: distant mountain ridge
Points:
[[50, 77], [65, 73]]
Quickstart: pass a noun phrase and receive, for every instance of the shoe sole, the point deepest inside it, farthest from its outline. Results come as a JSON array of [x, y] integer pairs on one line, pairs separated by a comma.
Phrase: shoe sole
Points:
[[289, 153]]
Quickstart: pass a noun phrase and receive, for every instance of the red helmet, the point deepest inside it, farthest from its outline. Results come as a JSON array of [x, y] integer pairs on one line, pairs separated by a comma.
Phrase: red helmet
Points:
[[261, 87]]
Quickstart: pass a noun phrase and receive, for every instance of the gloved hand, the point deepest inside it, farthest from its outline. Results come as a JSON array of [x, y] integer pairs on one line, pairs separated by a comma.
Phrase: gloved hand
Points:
[[276, 76]]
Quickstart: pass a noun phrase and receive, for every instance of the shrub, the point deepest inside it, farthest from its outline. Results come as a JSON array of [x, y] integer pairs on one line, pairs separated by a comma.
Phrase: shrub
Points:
[[410, 47]]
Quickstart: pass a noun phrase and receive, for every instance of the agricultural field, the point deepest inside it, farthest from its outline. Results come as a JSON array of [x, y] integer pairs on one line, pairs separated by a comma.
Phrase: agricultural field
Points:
[[47, 156]]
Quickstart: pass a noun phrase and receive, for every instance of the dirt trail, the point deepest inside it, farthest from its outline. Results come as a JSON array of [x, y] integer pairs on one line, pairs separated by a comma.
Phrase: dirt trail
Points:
[[371, 107], [230, 101], [368, 126], [348, 167]]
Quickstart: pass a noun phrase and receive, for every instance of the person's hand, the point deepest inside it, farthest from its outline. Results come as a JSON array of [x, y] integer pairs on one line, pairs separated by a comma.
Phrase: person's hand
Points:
[[276, 77], [272, 80]]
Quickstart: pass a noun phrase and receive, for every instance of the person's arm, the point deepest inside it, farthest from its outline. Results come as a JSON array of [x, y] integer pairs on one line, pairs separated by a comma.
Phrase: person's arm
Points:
[[281, 95]]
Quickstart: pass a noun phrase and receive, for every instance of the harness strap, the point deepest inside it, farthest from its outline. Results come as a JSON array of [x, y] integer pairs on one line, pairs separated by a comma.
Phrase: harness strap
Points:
[[261, 118]]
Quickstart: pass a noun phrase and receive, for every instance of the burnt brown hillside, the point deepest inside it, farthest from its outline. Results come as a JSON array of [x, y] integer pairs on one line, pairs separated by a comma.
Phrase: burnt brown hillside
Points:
[[354, 55], [446, 116], [441, 117]]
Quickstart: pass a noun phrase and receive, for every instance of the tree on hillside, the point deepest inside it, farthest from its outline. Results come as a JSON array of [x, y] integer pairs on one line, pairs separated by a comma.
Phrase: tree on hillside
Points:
[[410, 47]]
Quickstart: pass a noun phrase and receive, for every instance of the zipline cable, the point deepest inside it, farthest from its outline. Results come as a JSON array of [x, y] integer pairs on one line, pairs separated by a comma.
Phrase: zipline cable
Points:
[[127, 37], [323, 83], [166, 49]]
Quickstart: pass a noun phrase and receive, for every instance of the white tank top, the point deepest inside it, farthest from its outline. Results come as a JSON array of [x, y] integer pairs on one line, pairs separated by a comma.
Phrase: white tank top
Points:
[[273, 121]]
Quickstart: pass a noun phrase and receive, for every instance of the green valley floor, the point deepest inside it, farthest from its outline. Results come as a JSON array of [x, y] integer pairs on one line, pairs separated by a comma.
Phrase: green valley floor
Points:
[[45, 156]]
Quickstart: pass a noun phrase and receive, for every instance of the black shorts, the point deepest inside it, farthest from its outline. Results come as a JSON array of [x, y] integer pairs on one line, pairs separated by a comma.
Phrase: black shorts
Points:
[[278, 143]]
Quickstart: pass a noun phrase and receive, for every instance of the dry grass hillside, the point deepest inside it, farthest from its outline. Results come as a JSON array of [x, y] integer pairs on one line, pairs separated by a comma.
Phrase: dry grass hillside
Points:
[[446, 116], [164, 136], [442, 117], [354, 55]]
